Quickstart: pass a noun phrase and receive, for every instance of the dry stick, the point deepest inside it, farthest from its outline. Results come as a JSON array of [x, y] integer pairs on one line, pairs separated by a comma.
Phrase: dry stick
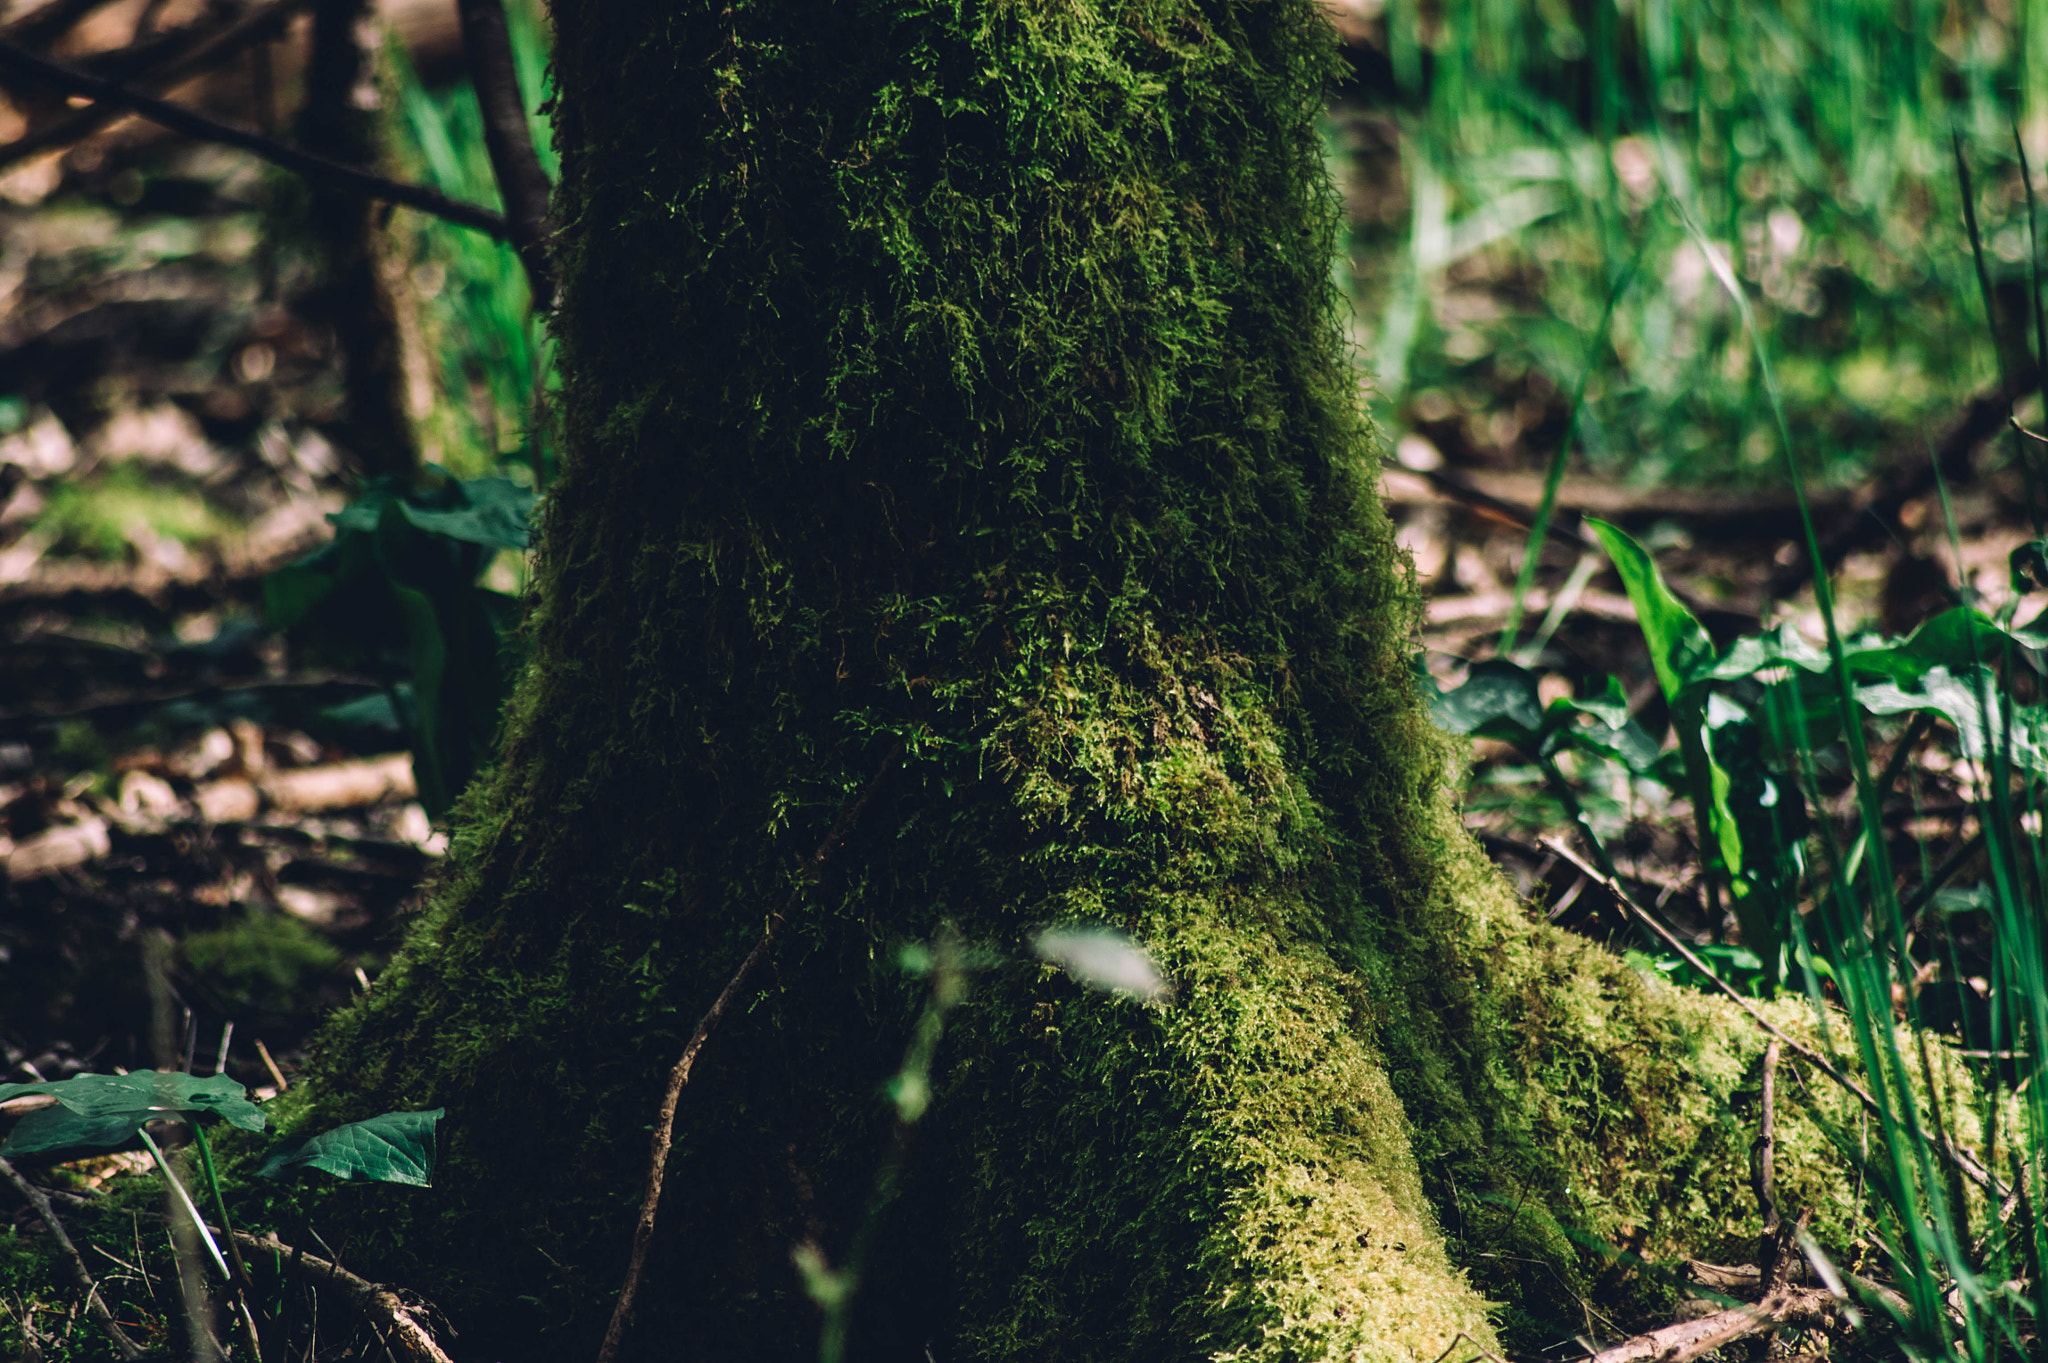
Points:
[[1484, 1352], [664, 1121], [255, 27], [318, 168], [1769, 1250], [1780, 1305], [521, 182], [101, 1316], [271, 1065], [1687, 1340], [378, 1303], [1962, 1160]]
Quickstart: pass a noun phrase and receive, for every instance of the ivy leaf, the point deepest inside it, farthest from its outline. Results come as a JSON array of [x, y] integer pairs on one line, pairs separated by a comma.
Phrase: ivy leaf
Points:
[[396, 1147]]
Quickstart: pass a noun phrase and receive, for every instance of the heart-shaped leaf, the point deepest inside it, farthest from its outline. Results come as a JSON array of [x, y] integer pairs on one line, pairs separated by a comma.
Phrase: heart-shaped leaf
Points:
[[396, 1147]]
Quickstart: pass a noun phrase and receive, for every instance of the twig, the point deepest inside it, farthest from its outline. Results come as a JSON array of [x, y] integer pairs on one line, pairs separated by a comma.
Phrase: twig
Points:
[[1970, 1168], [383, 1308], [521, 182], [1689, 1339], [318, 168], [1767, 1159], [257, 26], [1746, 1277], [271, 1065], [375, 1300], [1484, 1352], [80, 1274], [664, 1121]]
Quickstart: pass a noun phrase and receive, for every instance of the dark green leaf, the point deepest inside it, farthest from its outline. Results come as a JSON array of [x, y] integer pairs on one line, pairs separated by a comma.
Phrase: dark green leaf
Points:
[[397, 1147], [59, 1128], [107, 1109], [2029, 564], [1495, 692]]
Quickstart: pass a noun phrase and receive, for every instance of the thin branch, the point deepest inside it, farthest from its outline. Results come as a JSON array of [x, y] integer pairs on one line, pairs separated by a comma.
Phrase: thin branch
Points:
[[387, 1314], [180, 119], [664, 1121], [1962, 1160], [1767, 1158], [258, 25], [522, 183], [49, 21], [1690, 1339], [80, 1274], [384, 1308]]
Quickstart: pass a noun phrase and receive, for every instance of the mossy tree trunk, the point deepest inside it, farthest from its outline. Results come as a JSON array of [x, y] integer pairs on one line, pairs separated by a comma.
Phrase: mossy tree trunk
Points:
[[966, 378]]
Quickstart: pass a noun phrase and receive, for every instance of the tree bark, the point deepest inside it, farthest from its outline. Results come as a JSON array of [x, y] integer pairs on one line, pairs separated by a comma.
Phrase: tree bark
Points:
[[969, 380]]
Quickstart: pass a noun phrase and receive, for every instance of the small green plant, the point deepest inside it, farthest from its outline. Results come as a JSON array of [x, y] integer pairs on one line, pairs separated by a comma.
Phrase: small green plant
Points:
[[398, 592], [1746, 719]]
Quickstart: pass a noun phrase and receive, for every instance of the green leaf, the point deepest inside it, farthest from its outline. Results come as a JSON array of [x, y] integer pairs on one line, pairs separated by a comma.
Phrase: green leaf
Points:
[[98, 1110], [1974, 704], [1683, 657], [2029, 567], [494, 514], [1496, 694], [1679, 646], [59, 1128], [396, 1147]]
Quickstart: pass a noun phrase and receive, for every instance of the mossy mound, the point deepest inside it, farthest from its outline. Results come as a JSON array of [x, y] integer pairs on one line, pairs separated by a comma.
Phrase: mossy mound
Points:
[[962, 380]]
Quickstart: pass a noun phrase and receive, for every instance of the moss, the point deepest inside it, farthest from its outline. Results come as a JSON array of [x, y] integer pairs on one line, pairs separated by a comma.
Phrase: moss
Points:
[[965, 378], [264, 963], [98, 518]]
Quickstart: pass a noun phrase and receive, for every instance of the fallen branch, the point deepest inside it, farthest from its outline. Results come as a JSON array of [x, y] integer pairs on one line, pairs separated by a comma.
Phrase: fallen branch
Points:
[[665, 1118], [380, 1305], [1766, 1162], [1960, 1158], [391, 1317], [1745, 1278], [1689, 1339], [80, 1274], [177, 118]]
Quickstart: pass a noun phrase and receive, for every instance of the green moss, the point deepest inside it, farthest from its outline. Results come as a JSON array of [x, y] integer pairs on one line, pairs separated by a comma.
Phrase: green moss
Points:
[[264, 963], [966, 379], [99, 518]]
